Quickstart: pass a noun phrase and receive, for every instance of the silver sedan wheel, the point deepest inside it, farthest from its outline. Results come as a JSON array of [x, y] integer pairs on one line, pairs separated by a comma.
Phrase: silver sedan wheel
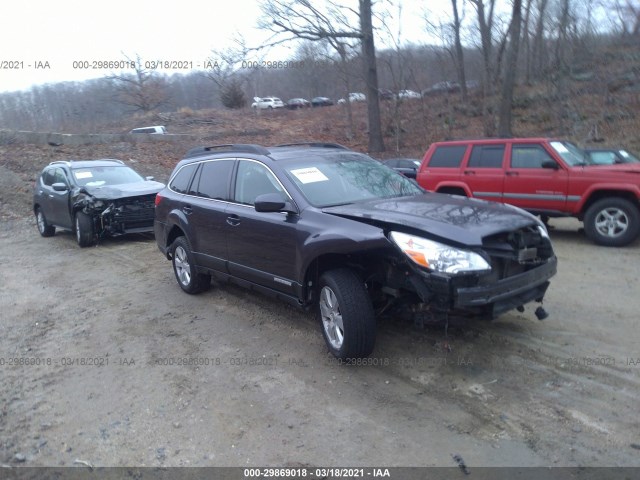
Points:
[[78, 233], [42, 224], [331, 317], [183, 269], [612, 222]]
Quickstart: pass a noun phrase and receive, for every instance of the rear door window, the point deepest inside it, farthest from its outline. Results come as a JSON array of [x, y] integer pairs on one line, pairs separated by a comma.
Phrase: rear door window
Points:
[[486, 156], [448, 156], [213, 181]]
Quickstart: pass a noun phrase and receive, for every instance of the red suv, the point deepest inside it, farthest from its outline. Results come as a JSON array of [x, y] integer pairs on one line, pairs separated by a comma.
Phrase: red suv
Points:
[[548, 177]]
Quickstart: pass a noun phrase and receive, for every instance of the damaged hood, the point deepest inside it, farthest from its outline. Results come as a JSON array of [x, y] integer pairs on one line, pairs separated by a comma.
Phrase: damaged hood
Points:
[[114, 192], [460, 219]]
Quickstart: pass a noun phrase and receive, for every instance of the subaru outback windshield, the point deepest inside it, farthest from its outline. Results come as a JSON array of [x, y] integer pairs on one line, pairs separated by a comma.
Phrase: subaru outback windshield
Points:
[[99, 176], [347, 178]]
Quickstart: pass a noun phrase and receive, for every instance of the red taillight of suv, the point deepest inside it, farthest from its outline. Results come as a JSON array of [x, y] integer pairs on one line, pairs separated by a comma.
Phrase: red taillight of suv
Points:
[[158, 199]]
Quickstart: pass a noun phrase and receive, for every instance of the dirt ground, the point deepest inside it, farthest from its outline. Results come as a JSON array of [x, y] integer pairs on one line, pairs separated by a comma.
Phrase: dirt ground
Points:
[[104, 360]]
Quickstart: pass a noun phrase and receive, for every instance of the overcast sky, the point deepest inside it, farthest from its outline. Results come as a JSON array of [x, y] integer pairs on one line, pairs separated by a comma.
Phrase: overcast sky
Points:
[[41, 39]]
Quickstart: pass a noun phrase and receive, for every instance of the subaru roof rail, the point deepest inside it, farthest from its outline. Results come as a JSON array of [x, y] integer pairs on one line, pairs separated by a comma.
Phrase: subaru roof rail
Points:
[[70, 162], [237, 147], [314, 145]]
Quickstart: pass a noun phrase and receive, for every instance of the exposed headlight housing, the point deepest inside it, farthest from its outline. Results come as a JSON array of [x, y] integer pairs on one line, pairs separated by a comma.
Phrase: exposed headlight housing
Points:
[[438, 256]]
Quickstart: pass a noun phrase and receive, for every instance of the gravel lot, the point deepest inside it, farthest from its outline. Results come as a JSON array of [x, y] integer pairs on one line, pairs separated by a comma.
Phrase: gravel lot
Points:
[[104, 360]]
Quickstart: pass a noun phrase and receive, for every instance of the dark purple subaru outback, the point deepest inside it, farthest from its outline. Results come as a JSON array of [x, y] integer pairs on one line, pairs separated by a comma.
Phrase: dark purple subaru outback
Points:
[[321, 226]]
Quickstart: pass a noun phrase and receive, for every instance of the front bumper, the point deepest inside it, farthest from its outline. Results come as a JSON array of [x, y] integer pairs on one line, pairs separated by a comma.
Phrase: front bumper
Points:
[[508, 293], [467, 294]]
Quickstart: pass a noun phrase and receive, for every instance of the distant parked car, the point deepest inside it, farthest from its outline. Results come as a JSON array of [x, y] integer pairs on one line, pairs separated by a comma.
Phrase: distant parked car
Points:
[[295, 103], [386, 94], [354, 97], [442, 87], [321, 102], [406, 166], [155, 130], [408, 94], [93, 198], [472, 84], [267, 103], [610, 156]]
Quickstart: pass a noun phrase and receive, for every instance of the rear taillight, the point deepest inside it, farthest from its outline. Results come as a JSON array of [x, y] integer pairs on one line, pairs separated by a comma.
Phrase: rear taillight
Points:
[[158, 199]]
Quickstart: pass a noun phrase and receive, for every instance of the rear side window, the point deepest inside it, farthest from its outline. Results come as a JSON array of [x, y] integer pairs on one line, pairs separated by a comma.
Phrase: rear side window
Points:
[[486, 156], [213, 180], [528, 156], [448, 156], [180, 183]]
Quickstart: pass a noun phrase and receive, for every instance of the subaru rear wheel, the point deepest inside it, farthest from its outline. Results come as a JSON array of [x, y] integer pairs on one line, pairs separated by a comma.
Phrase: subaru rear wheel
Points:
[[185, 268], [44, 228]]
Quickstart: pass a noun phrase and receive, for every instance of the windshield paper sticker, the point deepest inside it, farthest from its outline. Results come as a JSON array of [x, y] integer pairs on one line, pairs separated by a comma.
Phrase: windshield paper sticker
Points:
[[309, 175], [81, 175]]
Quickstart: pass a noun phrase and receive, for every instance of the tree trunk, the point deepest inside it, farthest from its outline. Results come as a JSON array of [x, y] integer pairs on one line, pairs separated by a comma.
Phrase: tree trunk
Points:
[[508, 84], [538, 40], [376, 143], [485, 24], [459, 57]]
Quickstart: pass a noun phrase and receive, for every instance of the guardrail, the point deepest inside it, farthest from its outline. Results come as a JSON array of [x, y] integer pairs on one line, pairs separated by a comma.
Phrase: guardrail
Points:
[[58, 139]]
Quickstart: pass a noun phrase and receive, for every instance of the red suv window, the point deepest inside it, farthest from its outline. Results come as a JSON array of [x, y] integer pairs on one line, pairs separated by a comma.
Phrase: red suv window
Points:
[[528, 156], [448, 156], [487, 156]]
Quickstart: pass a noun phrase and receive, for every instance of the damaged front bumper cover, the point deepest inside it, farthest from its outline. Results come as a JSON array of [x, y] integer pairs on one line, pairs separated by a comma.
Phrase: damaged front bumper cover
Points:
[[120, 219], [490, 300], [510, 292]]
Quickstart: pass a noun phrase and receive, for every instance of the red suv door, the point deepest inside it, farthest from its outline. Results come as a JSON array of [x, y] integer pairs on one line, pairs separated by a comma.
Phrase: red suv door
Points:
[[534, 180], [484, 173]]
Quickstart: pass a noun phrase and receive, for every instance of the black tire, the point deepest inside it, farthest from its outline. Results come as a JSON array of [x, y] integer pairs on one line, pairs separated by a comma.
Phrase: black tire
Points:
[[346, 314], [85, 235], [612, 222], [44, 228], [185, 270]]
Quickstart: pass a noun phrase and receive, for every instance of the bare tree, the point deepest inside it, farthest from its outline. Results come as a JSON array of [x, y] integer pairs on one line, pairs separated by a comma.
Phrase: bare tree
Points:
[[538, 53], [526, 40], [458, 55], [223, 71], [628, 13], [142, 91], [485, 25], [508, 83], [300, 19]]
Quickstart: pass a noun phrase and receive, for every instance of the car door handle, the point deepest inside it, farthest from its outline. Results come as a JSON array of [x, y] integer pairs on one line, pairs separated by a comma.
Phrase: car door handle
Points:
[[469, 172], [187, 209], [233, 220], [511, 173]]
